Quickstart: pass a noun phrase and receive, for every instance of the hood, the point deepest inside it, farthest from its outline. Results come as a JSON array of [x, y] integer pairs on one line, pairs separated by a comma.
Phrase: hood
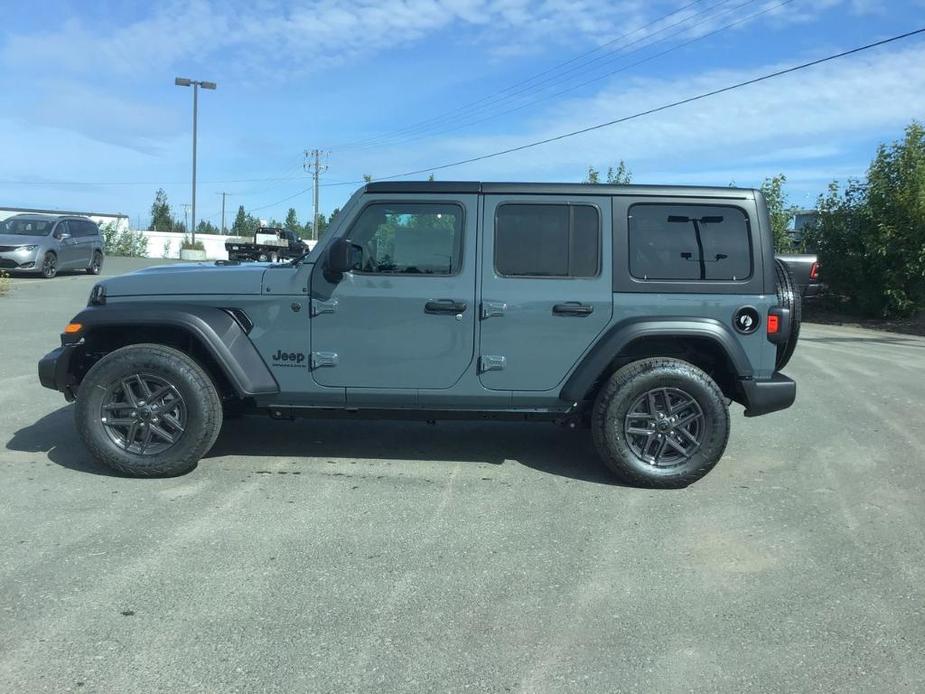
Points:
[[189, 278], [19, 240]]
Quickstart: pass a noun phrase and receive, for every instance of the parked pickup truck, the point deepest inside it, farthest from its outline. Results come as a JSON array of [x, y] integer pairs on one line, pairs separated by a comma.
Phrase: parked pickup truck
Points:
[[804, 267], [638, 312], [270, 244]]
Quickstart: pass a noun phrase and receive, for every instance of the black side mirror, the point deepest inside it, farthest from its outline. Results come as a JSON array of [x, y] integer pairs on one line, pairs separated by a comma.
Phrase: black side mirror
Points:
[[343, 256]]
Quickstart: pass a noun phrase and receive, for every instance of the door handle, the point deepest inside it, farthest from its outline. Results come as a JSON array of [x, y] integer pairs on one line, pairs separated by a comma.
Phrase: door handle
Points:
[[573, 308], [444, 306]]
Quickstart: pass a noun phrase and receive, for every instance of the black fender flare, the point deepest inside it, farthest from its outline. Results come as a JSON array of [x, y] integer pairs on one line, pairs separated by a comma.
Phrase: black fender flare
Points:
[[216, 329], [612, 342]]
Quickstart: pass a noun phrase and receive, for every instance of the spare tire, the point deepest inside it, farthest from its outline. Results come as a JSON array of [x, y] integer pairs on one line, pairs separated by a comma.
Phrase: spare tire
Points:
[[788, 296]]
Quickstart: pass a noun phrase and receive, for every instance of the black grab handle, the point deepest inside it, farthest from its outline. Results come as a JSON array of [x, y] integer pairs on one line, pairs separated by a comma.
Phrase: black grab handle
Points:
[[572, 308]]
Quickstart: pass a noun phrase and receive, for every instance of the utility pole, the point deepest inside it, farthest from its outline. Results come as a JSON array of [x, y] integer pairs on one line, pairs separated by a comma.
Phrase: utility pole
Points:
[[186, 207], [315, 167], [223, 194]]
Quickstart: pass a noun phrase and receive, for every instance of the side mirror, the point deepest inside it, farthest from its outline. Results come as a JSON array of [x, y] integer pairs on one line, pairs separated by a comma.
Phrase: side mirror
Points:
[[62, 235], [343, 256]]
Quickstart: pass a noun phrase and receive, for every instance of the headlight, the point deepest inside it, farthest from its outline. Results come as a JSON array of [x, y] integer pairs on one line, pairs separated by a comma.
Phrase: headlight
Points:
[[26, 249], [97, 295]]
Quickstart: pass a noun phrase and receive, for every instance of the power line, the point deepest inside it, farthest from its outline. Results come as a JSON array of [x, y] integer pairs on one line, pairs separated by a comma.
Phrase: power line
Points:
[[657, 109], [598, 78], [463, 107]]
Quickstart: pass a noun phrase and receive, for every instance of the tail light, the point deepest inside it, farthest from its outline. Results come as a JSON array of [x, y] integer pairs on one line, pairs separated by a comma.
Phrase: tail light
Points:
[[814, 271], [773, 324]]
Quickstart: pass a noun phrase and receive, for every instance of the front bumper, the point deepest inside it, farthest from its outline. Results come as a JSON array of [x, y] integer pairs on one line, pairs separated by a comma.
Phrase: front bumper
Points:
[[18, 260], [55, 372], [771, 395]]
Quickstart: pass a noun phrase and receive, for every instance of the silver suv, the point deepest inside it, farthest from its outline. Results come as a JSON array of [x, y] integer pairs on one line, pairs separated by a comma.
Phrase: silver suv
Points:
[[48, 243]]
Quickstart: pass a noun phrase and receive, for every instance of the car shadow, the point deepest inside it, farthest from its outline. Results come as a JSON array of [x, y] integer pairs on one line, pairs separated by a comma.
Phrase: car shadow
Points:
[[56, 436], [537, 445], [903, 341]]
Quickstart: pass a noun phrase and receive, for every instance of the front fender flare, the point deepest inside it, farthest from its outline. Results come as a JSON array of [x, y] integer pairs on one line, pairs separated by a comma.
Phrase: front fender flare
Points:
[[218, 332], [623, 333]]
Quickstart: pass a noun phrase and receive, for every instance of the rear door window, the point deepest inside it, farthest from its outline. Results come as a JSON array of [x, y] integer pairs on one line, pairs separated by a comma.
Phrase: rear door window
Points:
[[547, 240], [689, 242]]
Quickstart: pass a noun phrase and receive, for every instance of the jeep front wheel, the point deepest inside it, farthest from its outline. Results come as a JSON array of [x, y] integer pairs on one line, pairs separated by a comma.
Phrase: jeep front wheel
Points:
[[149, 411], [660, 422]]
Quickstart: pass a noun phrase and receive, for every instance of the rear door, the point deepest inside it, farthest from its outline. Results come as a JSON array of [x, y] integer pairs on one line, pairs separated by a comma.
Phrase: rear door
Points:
[[404, 317], [87, 238], [546, 287], [68, 248]]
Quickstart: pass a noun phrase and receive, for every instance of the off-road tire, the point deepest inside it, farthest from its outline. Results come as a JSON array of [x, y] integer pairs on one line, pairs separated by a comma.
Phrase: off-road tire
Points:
[[96, 265], [622, 390], [788, 296], [49, 267], [204, 408]]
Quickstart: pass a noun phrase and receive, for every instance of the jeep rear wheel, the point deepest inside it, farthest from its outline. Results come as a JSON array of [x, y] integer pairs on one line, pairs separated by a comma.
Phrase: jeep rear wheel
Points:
[[788, 296], [660, 422], [148, 410]]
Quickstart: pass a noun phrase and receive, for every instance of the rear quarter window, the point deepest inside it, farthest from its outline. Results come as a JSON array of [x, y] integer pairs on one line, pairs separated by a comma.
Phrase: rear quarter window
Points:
[[689, 242]]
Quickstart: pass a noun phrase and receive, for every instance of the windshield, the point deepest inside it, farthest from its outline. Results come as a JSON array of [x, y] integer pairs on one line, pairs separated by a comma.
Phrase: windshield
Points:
[[26, 227]]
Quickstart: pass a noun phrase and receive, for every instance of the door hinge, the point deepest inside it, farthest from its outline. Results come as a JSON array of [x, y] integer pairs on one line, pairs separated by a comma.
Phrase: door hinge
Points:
[[491, 309], [320, 359], [491, 362], [319, 307]]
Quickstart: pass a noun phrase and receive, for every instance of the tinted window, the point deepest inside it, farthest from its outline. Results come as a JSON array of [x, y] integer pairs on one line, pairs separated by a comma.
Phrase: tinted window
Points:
[[409, 238], [25, 226], [689, 242], [89, 229], [547, 240]]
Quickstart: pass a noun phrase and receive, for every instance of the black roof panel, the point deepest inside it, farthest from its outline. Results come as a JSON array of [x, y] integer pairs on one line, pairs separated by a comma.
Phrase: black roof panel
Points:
[[554, 189]]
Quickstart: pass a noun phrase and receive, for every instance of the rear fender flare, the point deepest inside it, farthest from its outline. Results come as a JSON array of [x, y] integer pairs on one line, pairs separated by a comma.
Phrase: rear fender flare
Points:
[[615, 340]]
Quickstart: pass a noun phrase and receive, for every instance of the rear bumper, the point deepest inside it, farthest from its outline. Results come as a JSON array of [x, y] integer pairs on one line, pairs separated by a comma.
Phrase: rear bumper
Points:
[[811, 291], [55, 373], [762, 397]]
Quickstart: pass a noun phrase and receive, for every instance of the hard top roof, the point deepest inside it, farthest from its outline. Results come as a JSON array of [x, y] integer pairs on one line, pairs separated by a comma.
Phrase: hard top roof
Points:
[[503, 188]]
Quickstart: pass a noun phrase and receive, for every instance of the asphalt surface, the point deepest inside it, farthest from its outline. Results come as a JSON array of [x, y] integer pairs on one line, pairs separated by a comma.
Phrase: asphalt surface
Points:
[[343, 557]]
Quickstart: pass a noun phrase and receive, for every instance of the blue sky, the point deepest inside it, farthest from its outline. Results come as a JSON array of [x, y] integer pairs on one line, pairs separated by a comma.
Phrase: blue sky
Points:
[[91, 119]]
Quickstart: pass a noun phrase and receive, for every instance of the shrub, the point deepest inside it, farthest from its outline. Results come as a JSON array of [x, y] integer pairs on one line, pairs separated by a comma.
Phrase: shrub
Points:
[[870, 235], [133, 244], [190, 245], [4, 282]]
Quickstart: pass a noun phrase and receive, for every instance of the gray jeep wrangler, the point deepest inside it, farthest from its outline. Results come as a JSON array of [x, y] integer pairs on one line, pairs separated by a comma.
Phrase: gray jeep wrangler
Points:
[[638, 311]]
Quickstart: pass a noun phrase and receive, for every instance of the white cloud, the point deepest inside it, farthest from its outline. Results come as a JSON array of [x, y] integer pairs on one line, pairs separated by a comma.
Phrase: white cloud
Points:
[[275, 38], [813, 114]]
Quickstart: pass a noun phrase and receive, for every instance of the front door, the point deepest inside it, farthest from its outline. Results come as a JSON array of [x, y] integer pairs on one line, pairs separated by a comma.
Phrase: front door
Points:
[[546, 287], [404, 317]]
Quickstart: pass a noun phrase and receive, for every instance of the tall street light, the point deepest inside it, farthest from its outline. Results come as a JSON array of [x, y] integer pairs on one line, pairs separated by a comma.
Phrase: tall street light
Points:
[[195, 84]]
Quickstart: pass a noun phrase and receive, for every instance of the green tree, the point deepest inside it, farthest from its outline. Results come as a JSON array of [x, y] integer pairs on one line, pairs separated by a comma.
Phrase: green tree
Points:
[[206, 227], [779, 210], [615, 176], [160, 213], [870, 235], [292, 221], [239, 228], [621, 176], [367, 178]]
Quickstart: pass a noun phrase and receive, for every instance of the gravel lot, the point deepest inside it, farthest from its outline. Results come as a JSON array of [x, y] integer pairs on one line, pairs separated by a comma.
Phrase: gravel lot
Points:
[[331, 556]]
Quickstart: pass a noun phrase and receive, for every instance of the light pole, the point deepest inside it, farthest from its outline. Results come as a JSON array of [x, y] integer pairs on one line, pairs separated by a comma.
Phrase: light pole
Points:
[[195, 84]]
